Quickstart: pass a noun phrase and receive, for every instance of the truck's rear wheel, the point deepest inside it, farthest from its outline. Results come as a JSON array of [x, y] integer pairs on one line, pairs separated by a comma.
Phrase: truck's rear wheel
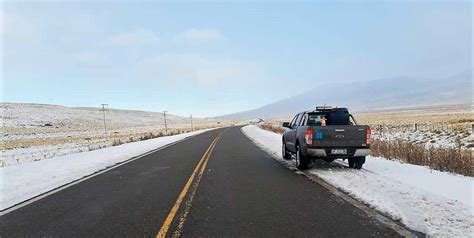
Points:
[[359, 161], [284, 152], [302, 161], [351, 162]]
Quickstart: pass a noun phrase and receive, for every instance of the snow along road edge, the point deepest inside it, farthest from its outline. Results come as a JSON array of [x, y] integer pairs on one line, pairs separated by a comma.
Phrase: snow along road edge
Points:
[[419, 210]]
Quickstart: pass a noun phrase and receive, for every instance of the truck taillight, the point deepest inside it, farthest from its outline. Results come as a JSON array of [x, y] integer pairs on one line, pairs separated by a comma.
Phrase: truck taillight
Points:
[[309, 137], [368, 135]]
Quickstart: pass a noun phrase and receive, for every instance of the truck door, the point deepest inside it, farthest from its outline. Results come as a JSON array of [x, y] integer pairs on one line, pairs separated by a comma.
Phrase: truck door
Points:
[[291, 135]]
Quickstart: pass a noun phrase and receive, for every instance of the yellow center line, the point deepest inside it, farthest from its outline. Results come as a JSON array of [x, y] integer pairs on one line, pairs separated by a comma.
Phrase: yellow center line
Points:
[[169, 219], [187, 205]]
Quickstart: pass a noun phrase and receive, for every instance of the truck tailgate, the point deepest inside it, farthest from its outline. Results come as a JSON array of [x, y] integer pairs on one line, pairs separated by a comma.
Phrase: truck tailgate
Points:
[[339, 136]]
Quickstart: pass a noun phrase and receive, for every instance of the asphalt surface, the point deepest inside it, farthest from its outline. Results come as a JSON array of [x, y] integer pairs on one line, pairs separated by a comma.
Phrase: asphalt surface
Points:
[[242, 192]]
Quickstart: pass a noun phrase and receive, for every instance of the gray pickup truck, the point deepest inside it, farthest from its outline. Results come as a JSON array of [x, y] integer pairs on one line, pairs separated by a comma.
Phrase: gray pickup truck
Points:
[[326, 133]]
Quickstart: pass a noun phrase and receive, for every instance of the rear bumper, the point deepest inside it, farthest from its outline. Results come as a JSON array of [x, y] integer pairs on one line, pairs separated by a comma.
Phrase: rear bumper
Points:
[[362, 152], [317, 152], [327, 153]]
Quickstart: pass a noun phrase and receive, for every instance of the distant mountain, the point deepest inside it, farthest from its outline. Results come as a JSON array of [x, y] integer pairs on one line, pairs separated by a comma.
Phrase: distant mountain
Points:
[[375, 94]]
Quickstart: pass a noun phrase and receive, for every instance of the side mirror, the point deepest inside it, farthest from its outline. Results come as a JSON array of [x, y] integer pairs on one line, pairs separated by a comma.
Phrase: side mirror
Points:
[[286, 124]]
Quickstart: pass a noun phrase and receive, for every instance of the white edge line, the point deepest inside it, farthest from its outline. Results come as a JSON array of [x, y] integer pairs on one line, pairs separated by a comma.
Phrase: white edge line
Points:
[[96, 173]]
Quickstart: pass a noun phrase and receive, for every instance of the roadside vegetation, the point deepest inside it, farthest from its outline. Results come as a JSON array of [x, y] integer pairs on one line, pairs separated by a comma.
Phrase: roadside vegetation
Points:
[[440, 141], [156, 134], [450, 159], [271, 127]]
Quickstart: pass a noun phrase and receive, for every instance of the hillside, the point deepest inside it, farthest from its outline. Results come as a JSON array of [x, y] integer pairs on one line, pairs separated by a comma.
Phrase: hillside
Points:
[[37, 115], [375, 94], [33, 132]]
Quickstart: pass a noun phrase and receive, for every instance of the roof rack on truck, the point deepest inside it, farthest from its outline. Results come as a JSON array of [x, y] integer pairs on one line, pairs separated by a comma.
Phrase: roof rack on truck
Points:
[[324, 108]]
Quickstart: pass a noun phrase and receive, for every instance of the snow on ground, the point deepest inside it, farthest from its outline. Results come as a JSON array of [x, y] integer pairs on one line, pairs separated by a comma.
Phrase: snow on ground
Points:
[[21, 182], [37, 153], [435, 203], [33, 132]]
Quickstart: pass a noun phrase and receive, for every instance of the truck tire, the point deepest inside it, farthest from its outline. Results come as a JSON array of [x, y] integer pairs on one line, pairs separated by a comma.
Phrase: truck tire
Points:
[[284, 152], [302, 161], [359, 161], [351, 162]]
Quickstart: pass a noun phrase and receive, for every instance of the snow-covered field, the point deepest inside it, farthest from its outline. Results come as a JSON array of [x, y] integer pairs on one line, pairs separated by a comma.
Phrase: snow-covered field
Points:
[[436, 126], [435, 203], [21, 182], [441, 138], [33, 132]]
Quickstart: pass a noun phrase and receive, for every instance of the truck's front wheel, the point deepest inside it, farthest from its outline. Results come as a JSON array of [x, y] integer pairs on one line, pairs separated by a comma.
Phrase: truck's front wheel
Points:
[[284, 152], [302, 161]]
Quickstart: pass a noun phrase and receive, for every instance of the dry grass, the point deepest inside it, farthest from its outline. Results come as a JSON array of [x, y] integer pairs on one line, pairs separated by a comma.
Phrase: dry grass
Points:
[[271, 127], [455, 160], [114, 137], [151, 135]]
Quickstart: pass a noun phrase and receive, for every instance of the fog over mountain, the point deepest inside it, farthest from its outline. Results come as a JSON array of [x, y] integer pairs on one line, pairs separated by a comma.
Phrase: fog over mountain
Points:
[[374, 94]]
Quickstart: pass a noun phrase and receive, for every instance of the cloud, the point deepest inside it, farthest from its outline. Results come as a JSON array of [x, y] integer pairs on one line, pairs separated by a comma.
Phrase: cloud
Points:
[[17, 29], [196, 70], [196, 37], [136, 38], [91, 59]]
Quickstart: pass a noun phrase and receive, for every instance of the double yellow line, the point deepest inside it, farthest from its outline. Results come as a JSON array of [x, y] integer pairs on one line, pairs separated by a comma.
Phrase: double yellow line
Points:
[[197, 173]]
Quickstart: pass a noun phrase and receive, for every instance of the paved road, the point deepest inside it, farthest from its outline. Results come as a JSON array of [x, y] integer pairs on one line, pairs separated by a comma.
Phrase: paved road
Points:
[[228, 186]]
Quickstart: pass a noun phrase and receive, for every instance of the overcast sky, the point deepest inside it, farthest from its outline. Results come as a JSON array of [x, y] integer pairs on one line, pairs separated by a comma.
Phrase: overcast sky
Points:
[[209, 59]]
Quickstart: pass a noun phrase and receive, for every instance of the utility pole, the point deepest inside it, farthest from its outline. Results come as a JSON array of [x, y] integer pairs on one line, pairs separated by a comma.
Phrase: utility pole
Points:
[[103, 110], [166, 126], [192, 127]]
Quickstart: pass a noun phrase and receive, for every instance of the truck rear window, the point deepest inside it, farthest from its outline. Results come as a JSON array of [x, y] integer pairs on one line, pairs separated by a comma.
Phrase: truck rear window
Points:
[[315, 119], [332, 118]]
